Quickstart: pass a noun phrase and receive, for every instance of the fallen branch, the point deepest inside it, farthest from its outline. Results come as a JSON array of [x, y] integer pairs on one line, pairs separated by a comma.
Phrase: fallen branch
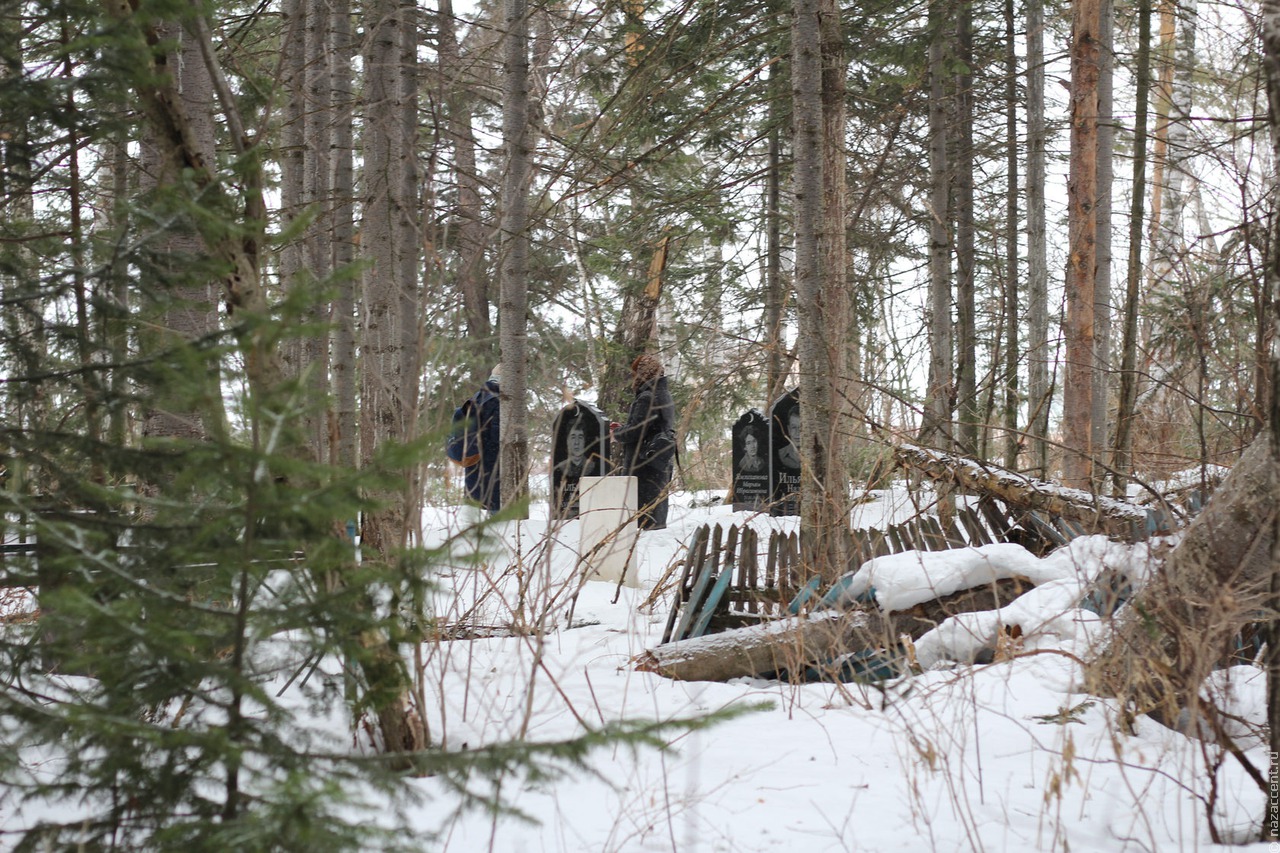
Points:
[[1098, 513], [797, 642]]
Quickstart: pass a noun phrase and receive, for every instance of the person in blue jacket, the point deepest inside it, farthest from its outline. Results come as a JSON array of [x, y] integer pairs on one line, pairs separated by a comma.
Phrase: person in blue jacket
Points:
[[647, 440], [474, 443]]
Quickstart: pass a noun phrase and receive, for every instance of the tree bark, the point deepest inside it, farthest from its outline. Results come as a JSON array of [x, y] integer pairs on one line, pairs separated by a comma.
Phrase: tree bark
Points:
[[1098, 426], [1122, 464], [292, 159], [1039, 391], [1082, 193], [1013, 441], [457, 96], [382, 356], [968, 414], [513, 307], [316, 197], [1271, 67], [408, 253], [775, 286], [936, 425], [817, 87], [344, 430], [183, 125]]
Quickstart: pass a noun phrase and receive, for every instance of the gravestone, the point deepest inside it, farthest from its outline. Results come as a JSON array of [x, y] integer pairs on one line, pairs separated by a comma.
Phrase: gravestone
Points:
[[751, 461], [784, 454], [607, 539], [579, 448]]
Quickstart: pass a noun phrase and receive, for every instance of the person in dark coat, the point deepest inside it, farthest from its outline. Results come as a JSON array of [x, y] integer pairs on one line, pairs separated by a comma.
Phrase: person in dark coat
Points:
[[483, 478], [647, 440]]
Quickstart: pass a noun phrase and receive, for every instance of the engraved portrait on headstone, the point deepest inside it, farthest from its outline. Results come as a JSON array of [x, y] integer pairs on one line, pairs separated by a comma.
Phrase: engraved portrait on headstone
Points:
[[579, 448], [750, 438]]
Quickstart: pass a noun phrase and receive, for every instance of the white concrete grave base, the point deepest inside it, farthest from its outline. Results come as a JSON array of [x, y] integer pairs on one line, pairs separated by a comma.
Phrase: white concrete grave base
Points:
[[607, 509]]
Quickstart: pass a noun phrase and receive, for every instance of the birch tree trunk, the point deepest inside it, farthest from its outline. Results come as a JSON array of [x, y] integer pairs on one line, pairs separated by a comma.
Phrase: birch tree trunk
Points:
[[1082, 193], [514, 237], [1169, 246]]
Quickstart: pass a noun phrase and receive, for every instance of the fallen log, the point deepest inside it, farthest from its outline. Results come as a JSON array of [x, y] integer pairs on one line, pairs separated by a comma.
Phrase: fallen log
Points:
[[792, 644], [1184, 622], [1097, 513], [785, 644]]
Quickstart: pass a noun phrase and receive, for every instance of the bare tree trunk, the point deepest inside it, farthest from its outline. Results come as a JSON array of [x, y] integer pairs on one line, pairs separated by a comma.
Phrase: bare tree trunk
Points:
[[292, 158], [1122, 464], [316, 196], [381, 361], [1160, 261], [513, 307], [1271, 66], [457, 96], [936, 425], [1102, 275], [968, 414], [344, 431], [1170, 244], [775, 287], [1012, 440], [822, 326], [834, 418], [116, 331], [1038, 389], [1082, 192], [194, 313], [408, 248]]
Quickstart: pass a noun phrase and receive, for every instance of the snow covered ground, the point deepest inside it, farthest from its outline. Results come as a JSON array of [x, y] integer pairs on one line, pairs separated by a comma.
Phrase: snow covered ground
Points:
[[1006, 756]]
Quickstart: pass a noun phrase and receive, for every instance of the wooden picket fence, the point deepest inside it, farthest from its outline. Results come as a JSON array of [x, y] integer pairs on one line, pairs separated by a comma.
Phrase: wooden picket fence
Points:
[[721, 583]]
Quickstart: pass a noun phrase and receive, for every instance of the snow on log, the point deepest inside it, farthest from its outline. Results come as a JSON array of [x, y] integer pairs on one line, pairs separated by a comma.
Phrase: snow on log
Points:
[[785, 644], [793, 643], [1100, 513]]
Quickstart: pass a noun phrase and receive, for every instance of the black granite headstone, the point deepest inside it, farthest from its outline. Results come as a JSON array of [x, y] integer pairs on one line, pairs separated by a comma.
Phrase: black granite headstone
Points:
[[580, 447], [784, 454], [751, 461]]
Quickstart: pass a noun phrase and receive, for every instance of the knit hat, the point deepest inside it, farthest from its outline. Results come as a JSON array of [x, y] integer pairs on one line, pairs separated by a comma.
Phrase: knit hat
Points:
[[646, 368]]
